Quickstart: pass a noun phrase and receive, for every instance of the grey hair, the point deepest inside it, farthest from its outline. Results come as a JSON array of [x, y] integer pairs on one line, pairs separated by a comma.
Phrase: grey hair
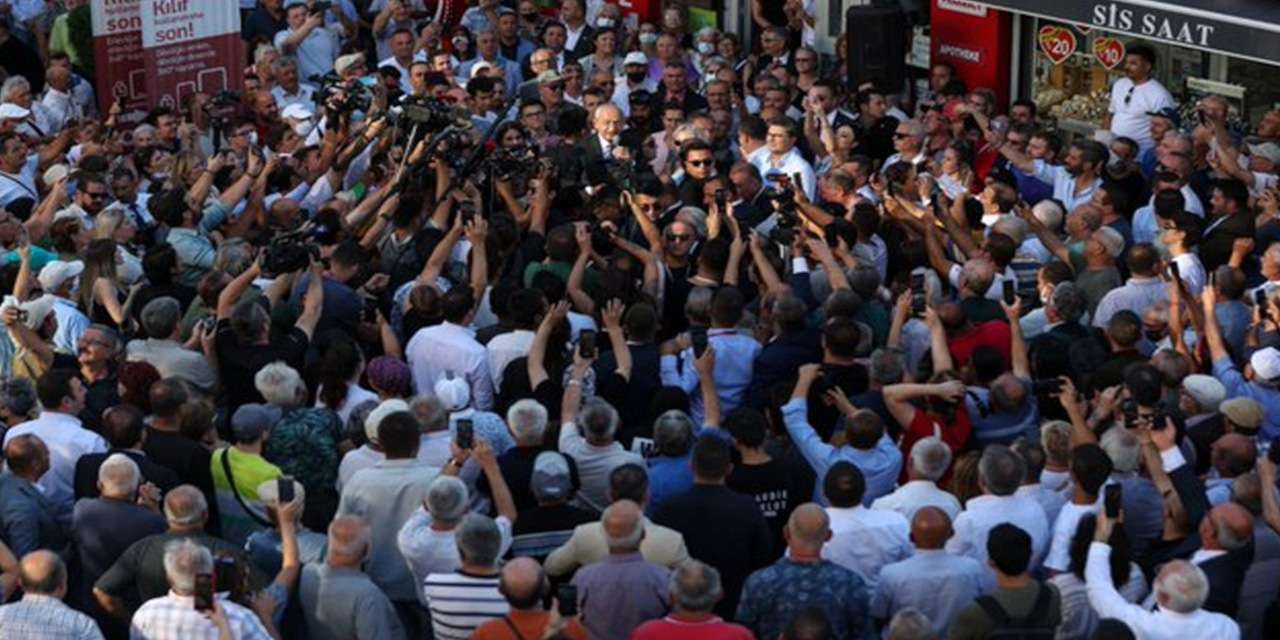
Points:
[[479, 540], [429, 412], [695, 217], [673, 433], [915, 127], [599, 420], [161, 316], [184, 559], [196, 508], [357, 547], [281, 63], [234, 257], [447, 498], [1181, 587], [1049, 213], [119, 476], [142, 128], [527, 420], [1012, 226], [1001, 470], [631, 540], [261, 52], [18, 395], [689, 129], [930, 458], [13, 82], [697, 306], [911, 624], [887, 366], [707, 31], [1122, 447], [354, 426], [279, 384], [1069, 301], [695, 587]]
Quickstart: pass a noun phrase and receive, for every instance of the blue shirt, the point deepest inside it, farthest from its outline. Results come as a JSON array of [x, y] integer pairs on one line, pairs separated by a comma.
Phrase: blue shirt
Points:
[[735, 365], [667, 477], [775, 594], [937, 583], [1064, 185], [879, 466], [1136, 295], [1237, 387], [194, 246], [999, 428]]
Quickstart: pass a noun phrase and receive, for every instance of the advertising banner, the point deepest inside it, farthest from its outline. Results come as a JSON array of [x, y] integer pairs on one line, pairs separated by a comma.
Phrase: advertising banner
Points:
[[190, 46], [117, 49]]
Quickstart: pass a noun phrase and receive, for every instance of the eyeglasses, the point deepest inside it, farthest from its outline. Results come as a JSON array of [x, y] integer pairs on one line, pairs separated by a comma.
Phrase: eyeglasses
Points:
[[554, 87], [898, 135], [98, 195], [682, 237], [700, 163], [651, 206]]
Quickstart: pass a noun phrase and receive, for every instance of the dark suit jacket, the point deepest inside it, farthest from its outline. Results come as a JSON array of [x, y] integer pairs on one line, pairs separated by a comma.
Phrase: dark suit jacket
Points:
[[86, 478], [594, 168], [693, 101], [586, 45], [27, 519], [1215, 246]]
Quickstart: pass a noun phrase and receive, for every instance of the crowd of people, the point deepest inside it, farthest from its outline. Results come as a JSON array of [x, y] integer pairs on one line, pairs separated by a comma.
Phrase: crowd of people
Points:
[[509, 322]]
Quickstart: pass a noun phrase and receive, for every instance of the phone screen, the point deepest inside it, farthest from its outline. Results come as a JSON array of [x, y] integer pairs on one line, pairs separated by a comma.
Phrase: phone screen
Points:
[[285, 489], [1010, 295], [1112, 500], [587, 343], [917, 294], [567, 600], [204, 592]]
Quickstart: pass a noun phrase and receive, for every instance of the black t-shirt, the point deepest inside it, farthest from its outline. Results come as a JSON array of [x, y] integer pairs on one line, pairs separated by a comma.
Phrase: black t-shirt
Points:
[[190, 460], [180, 292], [139, 573], [516, 466], [238, 363], [778, 488], [98, 397]]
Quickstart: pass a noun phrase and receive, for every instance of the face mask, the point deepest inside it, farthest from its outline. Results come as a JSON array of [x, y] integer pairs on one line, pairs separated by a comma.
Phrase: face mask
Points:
[[705, 48], [648, 38], [637, 76], [605, 23], [303, 129], [253, 138], [529, 17]]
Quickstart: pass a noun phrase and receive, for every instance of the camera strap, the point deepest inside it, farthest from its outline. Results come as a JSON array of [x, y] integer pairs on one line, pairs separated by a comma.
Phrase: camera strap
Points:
[[226, 468], [511, 625]]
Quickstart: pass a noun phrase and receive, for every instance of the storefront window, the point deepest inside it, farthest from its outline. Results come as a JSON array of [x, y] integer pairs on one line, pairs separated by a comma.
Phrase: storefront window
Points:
[[1263, 91]]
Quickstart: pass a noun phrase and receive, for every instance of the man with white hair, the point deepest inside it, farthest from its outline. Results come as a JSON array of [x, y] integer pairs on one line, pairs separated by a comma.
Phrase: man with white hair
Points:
[[175, 617], [930, 460], [162, 320], [908, 144], [1139, 498], [1198, 400], [623, 590], [527, 421], [1181, 590], [41, 613], [1000, 473], [588, 438], [338, 599], [103, 528], [694, 591]]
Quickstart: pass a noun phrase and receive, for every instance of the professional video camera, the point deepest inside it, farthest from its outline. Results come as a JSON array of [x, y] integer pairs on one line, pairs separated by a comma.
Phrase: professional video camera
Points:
[[352, 96], [290, 251], [430, 114]]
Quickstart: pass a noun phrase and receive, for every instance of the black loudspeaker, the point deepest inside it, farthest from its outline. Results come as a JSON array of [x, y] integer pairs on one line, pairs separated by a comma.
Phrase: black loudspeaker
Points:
[[877, 46]]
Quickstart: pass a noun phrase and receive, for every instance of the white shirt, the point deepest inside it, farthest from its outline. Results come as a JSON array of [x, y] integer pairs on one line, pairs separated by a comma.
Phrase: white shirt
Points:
[[1130, 105], [864, 540], [505, 348], [594, 464], [174, 617], [1192, 272], [1051, 501], [60, 106], [67, 440], [790, 164], [428, 550], [1160, 624], [404, 72], [1064, 529], [302, 97], [915, 495], [355, 395], [983, 513], [14, 186], [447, 347], [171, 360], [1064, 185]]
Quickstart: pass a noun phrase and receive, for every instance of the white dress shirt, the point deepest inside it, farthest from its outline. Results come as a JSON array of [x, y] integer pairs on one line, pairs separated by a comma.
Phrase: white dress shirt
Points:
[[983, 513], [791, 163], [1160, 624], [427, 550], [505, 348], [1049, 500], [1064, 184], [915, 495], [865, 540], [386, 496], [937, 583], [448, 347], [67, 440], [1064, 529]]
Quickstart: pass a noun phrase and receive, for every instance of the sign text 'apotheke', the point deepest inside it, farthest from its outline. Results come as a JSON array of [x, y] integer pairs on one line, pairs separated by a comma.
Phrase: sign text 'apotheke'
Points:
[[1113, 16]]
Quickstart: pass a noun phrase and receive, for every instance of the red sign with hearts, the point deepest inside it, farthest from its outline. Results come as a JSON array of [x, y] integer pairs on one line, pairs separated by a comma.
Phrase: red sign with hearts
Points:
[[1058, 43], [1108, 51]]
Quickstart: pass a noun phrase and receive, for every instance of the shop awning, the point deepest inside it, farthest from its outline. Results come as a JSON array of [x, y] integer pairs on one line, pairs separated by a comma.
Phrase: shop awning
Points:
[[1242, 28]]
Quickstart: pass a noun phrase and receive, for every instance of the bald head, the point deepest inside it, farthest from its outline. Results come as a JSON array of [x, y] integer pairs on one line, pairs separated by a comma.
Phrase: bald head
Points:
[[1233, 455], [951, 315], [1227, 526], [623, 523], [930, 528], [43, 573], [185, 508], [523, 582], [27, 457], [808, 528]]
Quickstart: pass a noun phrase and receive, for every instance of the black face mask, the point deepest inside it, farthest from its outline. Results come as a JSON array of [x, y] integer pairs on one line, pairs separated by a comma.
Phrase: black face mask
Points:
[[529, 17], [637, 76]]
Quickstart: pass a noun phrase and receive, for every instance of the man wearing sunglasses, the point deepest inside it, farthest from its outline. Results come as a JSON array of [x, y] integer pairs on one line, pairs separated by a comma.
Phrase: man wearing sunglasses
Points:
[[697, 158], [1136, 96]]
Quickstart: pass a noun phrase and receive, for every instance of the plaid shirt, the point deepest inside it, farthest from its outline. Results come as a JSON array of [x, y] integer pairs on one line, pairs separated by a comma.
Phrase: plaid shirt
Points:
[[174, 617], [38, 617]]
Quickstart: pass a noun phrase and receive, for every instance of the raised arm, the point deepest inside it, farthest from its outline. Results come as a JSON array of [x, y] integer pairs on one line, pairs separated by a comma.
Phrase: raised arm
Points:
[[440, 255], [536, 362], [581, 301], [822, 253], [1212, 330], [477, 231], [706, 366], [768, 275], [231, 293], [938, 349], [498, 488], [1018, 344], [898, 397], [612, 317], [314, 304], [650, 229]]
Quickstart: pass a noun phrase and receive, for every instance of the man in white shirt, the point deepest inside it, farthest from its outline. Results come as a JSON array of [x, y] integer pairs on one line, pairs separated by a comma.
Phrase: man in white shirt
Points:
[[1090, 469], [525, 308], [862, 540], [1135, 96], [175, 617], [1075, 180], [908, 144], [58, 279], [289, 90], [306, 37], [592, 448], [162, 319], [63, 397], [1181, 589], [782, 157], [451, 348], [930, 459], [58, 101], [1000, 472]]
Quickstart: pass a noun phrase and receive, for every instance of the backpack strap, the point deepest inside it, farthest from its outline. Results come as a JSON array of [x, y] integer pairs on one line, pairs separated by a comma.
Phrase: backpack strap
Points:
[[1040, 611], [999, 617]]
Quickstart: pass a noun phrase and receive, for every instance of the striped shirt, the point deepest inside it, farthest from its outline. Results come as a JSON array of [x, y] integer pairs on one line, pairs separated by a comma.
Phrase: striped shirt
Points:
[[460, 602]]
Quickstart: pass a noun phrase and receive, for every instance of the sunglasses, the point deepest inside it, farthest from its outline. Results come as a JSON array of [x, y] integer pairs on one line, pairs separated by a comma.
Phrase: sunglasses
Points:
[[900, 136], [679, 237], [1128, 97], [700, 163]]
